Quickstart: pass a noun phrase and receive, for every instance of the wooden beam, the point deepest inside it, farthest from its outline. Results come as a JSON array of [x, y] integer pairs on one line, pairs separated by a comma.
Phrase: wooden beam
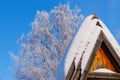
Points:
[[103, 76], [71, 71]]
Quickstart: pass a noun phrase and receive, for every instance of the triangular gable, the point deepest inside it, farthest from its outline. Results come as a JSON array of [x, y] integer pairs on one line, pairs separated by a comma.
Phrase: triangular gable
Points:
[[101, 60], [79, 57], [104, 66]]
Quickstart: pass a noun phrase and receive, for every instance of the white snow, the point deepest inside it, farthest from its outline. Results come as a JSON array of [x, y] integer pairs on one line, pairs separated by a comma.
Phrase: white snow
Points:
[[103, 70], [83, 43], [110, 38]]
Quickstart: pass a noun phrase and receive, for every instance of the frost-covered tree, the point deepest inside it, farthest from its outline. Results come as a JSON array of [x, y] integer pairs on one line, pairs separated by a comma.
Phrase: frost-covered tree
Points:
[[43, 47]]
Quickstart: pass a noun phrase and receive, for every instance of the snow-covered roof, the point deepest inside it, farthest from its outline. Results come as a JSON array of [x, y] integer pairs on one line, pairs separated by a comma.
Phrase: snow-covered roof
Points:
[[83, 44]]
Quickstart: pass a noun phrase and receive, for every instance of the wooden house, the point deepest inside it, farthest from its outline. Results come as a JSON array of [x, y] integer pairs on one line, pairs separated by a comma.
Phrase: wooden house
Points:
[[93, 54]]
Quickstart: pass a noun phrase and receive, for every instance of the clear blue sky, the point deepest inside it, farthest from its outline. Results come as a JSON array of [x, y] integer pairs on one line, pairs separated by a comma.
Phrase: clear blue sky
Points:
[[16, 16]]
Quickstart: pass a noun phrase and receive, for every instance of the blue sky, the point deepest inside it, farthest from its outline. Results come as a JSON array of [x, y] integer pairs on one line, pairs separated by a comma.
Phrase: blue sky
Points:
[[16, 16]]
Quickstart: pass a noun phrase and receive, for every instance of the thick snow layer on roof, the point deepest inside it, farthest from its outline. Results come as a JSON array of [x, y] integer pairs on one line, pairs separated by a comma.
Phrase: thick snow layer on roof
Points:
[[81, 43], [103, 70], [110, 38], [82, 46]]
